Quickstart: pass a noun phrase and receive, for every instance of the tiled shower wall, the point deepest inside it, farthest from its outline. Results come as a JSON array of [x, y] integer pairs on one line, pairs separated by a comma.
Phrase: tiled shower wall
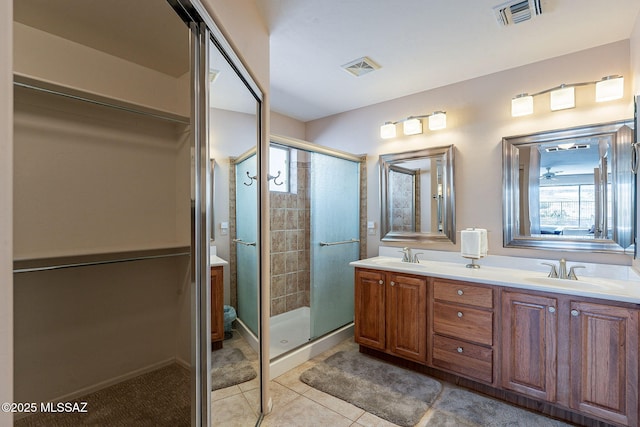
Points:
[[290, 237]]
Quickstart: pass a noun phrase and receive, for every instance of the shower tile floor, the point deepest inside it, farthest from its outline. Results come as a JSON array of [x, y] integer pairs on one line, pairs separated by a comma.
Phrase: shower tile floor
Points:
[[289, 330]]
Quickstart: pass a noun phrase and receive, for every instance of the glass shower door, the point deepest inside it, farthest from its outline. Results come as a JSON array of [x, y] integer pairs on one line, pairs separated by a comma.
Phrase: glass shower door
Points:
[[245, 241], [335, 218]]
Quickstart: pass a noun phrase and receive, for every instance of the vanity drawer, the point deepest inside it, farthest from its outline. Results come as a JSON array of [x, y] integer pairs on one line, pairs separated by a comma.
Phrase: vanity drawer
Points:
[[465, 323], [462, 293], [463, 358]]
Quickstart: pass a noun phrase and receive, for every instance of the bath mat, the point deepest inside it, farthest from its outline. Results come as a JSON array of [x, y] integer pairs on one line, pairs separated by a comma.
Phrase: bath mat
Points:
[[395, 394], [462, 408], [229, 367]]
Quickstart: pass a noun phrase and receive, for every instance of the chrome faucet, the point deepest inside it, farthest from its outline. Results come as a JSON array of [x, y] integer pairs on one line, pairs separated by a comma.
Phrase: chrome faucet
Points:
[[408, 257], [561, 272]]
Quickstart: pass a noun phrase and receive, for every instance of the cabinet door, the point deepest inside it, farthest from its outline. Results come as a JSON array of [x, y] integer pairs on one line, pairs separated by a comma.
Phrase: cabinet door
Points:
[[217, 305], [529, 344], [604, 364], [369, 308], [407, 316]]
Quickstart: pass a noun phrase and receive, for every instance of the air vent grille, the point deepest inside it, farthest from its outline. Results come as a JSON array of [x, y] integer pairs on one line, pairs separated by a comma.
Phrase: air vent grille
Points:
[[517, 11], [360, 66], [573, 147]]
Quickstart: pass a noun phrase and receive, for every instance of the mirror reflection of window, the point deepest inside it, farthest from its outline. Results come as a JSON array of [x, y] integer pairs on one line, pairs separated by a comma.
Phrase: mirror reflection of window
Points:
[[568, 184]]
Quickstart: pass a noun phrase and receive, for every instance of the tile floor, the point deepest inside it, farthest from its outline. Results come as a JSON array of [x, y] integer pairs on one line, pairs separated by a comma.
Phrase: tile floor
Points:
[[297, 404]]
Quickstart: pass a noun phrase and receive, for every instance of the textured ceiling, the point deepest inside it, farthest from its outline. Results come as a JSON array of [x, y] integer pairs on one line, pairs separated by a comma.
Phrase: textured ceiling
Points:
[[420, 45]]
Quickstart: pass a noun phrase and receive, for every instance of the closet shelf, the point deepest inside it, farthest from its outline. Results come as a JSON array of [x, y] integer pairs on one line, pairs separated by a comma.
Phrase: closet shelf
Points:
[[94, 98], [56, 263]]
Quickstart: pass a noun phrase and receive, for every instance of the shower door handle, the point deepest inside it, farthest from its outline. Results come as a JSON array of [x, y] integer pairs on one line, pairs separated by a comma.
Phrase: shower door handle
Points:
[[343, 242], [242, 242]]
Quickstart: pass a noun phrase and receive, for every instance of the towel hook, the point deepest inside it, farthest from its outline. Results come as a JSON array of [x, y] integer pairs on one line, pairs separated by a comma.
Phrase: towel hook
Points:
[[251, 179], [274, 178]]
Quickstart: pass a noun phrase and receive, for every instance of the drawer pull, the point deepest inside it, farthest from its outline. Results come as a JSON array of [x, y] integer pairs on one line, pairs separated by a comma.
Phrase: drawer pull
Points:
[[460, 350], [575, 313], [459, 314], [381, 282], [460, 292], [393, 283], [552, 309]]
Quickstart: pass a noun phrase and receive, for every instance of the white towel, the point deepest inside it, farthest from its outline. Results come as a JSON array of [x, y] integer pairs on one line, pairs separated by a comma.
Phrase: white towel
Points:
[[473, 243]]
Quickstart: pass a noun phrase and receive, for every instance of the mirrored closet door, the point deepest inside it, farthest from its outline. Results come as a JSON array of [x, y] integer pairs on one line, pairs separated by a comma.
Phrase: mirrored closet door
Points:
[[127, 261]]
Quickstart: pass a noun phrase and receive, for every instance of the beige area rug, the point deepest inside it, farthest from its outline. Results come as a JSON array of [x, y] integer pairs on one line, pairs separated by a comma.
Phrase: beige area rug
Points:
[[392, 393], [229, 366], [158, 398]]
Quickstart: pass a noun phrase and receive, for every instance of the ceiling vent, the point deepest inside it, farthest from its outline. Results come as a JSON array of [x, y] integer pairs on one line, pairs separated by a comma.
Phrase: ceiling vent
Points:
[[517, 11], [360, 66], [570, 147]]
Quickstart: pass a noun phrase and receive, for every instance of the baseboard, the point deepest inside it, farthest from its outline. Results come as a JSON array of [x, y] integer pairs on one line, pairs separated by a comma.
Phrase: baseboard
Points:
[[180, 361]]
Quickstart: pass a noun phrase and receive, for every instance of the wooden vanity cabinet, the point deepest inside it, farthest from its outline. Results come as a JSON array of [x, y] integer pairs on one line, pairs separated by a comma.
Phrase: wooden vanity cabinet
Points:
[[391, 313], [217, 307], [529, 344], [604, 361], [462, 329], [601, 367]]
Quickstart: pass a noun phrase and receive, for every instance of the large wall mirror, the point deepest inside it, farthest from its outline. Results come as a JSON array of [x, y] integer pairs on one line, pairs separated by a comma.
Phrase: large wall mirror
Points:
[[570, 189], [417, 196]]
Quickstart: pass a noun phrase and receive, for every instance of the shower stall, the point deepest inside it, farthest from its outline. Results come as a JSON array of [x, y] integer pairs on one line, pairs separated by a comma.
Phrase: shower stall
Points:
[[315, 233], [315, 228]]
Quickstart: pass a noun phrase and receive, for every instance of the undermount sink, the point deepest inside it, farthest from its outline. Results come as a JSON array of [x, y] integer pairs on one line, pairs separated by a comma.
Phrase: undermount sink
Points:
[[587, 283], [422, 265]]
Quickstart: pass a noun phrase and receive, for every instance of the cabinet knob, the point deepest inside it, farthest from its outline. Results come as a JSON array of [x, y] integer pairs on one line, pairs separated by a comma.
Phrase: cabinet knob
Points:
[[459, 314], [381, 282], [393, 283], [460, 292], [552, 309], [460, 350], [575, 313]]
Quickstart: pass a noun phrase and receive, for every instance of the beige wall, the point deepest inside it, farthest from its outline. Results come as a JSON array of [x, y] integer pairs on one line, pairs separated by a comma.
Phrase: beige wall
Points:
[[478, 116], [287, 126], [6, 211]]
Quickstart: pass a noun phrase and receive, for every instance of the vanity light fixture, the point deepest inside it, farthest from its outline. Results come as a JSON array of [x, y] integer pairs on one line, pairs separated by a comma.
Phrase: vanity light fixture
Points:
[[563, 96], [609, 88], [522, 105], [438, 120], [388, 130], [412, 125]]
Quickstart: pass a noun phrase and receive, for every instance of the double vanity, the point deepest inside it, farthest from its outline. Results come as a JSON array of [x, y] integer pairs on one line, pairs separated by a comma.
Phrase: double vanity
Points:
[[572, 344]]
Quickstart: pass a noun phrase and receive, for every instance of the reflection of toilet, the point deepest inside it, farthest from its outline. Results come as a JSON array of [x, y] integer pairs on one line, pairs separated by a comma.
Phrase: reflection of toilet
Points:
[[229, 317]]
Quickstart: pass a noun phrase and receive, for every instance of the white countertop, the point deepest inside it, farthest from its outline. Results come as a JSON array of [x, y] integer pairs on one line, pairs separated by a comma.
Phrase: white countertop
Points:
[[534, 279], [216, 261]]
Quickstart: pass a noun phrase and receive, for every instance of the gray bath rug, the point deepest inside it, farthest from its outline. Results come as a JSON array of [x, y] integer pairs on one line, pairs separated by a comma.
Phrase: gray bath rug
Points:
[[395, 394], [457, 408], [229, 367]]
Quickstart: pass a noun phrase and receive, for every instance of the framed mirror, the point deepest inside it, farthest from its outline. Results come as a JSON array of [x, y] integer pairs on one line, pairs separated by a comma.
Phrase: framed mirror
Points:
[[570, 189], [417, 200]]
